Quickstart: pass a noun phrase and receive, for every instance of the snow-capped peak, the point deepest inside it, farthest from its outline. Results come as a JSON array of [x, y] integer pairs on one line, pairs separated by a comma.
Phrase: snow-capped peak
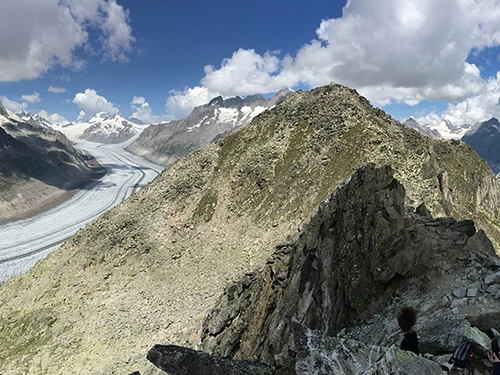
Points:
[[105, 128], [34, 119], [450, 131]]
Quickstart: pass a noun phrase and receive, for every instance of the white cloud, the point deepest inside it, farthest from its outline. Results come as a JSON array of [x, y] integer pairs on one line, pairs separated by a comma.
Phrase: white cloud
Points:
[[473, 109], [91, 103], [389, 50], [180, 104], [247, 72], [138, 100], [81, 116], [12, 105], [33, 98], [55, 89], [53, 118], [143, 111], [52, 33]]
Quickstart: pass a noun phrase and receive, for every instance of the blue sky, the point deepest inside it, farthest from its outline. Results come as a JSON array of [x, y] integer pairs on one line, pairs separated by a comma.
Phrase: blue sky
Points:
[[431, 60]]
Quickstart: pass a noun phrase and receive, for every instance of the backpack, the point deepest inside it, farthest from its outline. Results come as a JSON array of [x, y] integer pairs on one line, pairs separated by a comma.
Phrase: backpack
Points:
[[463, 356]]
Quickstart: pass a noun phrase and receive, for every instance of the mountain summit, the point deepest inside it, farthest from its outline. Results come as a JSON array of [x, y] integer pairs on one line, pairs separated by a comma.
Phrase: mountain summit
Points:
[[149, 270], [104, 128], [165, 143]]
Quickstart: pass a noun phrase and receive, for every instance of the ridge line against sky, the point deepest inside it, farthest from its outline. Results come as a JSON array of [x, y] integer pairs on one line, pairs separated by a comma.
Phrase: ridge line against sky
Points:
[[156, 60]]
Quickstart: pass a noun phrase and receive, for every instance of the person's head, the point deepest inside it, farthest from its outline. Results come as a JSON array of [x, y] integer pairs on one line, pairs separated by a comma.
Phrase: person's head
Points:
[[407, 318]]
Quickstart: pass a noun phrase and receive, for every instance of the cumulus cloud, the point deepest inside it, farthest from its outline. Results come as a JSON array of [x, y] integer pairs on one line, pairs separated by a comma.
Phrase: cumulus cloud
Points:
[[91, 103], [390, 50], [52, 33], [144, 112], [53, 118], [477, 108], [247, 72], [33, 98], [138, 100], [180, 104], [55, 89], [12, 105]]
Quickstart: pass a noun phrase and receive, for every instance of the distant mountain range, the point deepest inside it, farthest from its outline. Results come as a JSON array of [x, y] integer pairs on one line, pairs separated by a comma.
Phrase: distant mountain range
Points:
[[165, 143], [444, 130]]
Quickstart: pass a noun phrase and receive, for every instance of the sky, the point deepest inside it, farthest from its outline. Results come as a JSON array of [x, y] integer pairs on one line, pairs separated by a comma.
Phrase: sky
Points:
[[157, 59]]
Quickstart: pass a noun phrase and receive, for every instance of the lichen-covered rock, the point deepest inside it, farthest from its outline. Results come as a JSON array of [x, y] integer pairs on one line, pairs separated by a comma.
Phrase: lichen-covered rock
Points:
[[397, 361], [443, 334], [176, 360], [318, 354]]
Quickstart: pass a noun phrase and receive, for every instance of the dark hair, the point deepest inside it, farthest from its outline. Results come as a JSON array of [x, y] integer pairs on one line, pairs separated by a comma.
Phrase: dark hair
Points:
[[407, 318]]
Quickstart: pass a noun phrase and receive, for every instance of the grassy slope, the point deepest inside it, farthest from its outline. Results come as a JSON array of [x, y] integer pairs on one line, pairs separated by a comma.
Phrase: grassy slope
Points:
[[147, 271]]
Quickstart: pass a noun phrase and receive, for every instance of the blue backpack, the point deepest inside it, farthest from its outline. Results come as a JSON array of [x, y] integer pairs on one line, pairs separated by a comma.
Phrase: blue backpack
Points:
[[463, 356]]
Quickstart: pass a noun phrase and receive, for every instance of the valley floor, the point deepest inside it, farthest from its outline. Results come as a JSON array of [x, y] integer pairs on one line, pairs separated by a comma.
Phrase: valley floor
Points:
[[28, 240]]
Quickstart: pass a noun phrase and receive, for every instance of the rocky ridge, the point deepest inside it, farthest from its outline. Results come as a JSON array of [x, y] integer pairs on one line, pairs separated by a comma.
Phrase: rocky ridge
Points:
[[149, 271], [165, 143], [340, 282]]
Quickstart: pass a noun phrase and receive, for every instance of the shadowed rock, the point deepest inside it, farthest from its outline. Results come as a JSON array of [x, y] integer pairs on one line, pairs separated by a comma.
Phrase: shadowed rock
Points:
[[176, 360]]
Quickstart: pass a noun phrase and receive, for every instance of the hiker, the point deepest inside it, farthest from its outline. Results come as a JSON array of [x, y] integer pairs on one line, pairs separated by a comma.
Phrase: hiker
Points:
[[406, 320], [496, 363]]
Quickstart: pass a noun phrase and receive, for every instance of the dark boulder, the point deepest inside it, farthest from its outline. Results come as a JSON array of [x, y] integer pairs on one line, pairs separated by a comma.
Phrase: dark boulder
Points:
[[176, 360]]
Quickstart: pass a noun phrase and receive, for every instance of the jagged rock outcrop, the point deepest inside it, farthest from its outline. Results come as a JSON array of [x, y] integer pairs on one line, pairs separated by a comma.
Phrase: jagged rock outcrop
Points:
[[165, 143], [151, 269], [176, 360], [355, 255]]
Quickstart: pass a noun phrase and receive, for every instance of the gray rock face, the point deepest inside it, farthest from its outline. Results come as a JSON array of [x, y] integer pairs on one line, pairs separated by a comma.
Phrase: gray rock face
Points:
[[492, 279], [318, 354], [176, 360], [165, 143], [3, 111]]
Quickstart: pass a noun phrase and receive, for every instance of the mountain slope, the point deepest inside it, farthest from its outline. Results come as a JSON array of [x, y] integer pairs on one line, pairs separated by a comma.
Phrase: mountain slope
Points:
[[38, 166], [165, 143], [149, 270], [485, 140]]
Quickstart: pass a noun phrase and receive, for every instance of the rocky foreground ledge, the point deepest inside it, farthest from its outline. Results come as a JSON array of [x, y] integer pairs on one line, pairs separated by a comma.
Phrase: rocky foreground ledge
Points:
[[326, 302]]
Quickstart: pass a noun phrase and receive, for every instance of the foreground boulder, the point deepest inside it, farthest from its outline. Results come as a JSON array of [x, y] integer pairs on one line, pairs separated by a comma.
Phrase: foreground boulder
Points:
[[176, 360]]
